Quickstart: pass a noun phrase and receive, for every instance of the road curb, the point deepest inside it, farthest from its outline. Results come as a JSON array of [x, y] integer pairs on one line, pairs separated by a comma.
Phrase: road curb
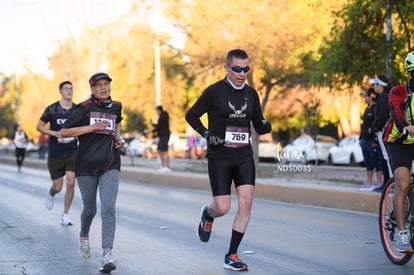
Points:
[[291, 190]]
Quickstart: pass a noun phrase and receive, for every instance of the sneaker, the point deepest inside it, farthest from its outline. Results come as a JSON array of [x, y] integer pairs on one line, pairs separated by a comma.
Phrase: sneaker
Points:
[[403, 242], [365, 187], [65, 220], [84, 248], [107, 264], [233, 262], [50, 200], [205, 225], [377, 187]]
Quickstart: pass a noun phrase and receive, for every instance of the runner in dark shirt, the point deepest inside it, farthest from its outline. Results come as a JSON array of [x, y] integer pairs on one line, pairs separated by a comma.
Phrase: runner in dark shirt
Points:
[[97, 124], [62, 151], [231, 106]]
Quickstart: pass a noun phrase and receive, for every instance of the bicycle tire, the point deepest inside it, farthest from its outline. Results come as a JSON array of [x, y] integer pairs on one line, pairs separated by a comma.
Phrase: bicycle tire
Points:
[[388, 226]]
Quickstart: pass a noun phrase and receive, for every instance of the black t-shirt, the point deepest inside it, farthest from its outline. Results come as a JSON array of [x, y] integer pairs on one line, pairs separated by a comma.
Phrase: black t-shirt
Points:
[[97, 153], [382, 112], [56, 116], [230, 112], [367, 122], [162, 128]]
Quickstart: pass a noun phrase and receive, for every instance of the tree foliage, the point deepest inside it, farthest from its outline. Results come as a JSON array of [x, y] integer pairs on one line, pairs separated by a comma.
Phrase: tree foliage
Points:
[[358, 47], [310, 59]]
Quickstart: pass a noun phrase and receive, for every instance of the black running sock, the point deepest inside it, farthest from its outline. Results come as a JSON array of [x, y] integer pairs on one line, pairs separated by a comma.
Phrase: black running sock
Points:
[[236, 238]]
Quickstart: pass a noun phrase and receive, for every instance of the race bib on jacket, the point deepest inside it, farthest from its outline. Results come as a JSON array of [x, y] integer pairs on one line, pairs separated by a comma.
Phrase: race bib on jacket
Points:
[[236, 137]]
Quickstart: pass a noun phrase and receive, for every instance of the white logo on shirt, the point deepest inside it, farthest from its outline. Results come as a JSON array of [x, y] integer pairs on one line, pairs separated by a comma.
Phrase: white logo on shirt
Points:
[[238, 113]]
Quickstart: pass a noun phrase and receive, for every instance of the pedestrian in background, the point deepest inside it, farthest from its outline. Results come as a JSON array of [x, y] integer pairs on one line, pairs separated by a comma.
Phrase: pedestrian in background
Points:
[[369, 144], [231, 107], [20, 143], [382, 87], [162, 128], [62, 151], [97, 124]]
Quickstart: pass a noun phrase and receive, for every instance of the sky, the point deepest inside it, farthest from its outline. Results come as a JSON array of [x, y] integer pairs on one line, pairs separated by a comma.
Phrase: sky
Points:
[[32, 29]]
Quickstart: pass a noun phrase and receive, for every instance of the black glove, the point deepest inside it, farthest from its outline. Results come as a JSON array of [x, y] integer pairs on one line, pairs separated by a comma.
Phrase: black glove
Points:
[[212, 140], [264, 128]]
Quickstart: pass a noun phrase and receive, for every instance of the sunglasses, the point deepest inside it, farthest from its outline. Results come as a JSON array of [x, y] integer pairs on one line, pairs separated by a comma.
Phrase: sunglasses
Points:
[[239, 70]]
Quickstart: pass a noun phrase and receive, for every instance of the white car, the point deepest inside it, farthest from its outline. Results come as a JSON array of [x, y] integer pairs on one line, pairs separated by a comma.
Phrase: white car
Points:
[[267, 149], [179, 146], [306, 149], [136, 146], [348, 152]]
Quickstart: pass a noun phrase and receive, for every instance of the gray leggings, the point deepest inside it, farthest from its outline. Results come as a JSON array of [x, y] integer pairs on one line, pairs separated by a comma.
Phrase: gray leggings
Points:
[[108, 190]]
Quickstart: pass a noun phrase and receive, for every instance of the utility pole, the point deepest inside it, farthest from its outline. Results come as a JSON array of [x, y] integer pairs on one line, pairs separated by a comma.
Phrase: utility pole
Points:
[[157, 70], [18, 116], [388, 40], [157, 54]]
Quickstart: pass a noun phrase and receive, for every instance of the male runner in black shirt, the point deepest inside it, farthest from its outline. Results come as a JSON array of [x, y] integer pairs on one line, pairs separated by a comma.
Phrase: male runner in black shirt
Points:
[[231, 105], [62, 151]]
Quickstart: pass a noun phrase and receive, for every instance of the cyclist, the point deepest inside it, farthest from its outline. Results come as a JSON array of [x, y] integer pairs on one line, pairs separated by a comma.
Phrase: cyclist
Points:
[[399, 138]]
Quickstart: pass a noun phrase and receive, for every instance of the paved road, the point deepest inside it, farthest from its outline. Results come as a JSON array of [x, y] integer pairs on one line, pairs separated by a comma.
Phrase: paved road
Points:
[[156, 234], [320, 186]]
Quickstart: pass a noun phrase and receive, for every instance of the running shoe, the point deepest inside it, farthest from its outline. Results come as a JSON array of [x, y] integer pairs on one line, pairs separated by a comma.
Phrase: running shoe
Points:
[[403, 242], [84, 248], [205, 225], [233, 262], [365, 187], [377, 187], [50, 200], [65, 220], [107, 264]]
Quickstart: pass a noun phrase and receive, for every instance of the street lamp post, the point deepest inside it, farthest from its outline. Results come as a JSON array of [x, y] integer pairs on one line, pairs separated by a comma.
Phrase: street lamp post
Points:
[[18, 118], [154, 22], [157, 71]]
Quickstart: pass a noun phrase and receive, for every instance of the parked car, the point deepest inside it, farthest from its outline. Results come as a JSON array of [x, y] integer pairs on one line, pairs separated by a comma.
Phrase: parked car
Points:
[[150, 148], [348, 152], [32, 147], [179, 146], [306, 149], [136, 147], [267, 150], [199, 148]]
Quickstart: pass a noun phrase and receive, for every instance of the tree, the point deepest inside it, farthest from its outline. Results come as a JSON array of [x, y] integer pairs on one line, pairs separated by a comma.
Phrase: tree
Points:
[[361, 45], [274, 33], [358, 46]]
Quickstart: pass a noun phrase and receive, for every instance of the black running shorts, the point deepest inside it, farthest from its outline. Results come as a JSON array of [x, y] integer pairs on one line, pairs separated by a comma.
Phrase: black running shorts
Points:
[[222, 171], [401, 155], [163, 143], [59, 166]]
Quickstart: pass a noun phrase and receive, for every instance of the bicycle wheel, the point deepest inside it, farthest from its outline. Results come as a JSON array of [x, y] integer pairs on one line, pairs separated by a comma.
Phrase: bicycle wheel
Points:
[[388, 226]]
